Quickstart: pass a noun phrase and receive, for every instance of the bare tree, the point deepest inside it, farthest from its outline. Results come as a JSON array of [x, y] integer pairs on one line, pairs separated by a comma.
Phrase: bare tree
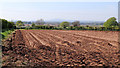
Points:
[[76, 23], [40, 22]]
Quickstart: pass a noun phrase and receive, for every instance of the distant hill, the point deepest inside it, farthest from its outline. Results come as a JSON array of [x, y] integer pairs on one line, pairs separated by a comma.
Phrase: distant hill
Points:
[[58, 21]]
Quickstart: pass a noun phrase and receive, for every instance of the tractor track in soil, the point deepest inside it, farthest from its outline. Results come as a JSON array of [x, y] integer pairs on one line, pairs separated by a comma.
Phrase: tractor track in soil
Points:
[[61, 48]]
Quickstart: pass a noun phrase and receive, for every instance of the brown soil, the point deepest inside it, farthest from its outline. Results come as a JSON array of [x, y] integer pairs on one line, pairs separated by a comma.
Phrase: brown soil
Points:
[[62, 48]]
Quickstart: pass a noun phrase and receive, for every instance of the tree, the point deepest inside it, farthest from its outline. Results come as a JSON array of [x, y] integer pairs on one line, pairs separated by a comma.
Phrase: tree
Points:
[[40, 22], [11, 24], [6, 24], [19, 23], [33, 24], [76, 23], [111, 22], [64, 24]]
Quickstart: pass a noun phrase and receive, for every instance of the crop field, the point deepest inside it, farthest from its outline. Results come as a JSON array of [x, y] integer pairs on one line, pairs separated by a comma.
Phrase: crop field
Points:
[[62, 48]]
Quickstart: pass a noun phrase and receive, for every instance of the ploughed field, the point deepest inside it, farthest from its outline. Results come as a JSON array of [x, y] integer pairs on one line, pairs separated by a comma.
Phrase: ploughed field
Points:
[[62, 48]]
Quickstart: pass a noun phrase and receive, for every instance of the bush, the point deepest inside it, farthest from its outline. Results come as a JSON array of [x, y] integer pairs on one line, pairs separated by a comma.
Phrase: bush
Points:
[[71, 28], [117, 28], [90, 28], [110, 22], [51, 27], [109, 28], [95, 28], [102, 28], [7, 24], [64, 24], [6, 32]]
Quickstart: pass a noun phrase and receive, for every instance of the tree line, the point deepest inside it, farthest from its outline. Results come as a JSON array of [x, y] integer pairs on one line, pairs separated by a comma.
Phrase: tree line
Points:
[[7, 24], [110, 24]]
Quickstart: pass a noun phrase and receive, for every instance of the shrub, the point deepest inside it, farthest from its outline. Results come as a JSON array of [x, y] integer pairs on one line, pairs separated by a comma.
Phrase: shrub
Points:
[[64, 24]]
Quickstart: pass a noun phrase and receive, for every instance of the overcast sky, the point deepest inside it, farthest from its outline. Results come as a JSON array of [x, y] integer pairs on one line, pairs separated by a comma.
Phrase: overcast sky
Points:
[[60, 9]]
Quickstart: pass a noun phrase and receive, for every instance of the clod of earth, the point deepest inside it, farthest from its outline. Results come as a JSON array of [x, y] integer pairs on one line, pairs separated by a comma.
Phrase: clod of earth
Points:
[[61, 48]]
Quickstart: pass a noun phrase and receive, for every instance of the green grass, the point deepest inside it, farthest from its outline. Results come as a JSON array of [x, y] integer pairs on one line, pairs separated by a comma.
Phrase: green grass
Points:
[[5, 34]]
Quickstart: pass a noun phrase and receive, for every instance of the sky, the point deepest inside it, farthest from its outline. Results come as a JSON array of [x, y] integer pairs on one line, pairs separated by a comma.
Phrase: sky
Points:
[[59, 0], [50, 9]]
